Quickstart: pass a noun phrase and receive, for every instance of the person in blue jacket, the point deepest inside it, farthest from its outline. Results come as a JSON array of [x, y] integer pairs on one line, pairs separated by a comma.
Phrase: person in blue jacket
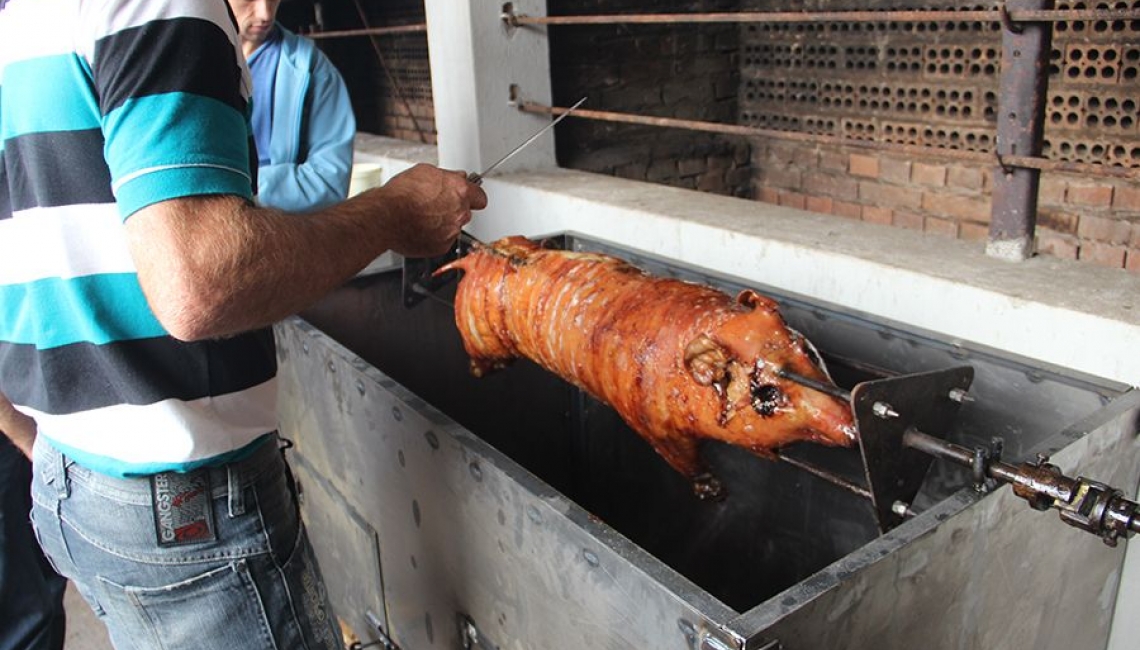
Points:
[[302, 117]]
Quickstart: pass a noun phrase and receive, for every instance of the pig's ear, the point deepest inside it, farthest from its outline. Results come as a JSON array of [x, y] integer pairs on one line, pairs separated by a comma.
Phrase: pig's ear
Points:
[[753, 300]]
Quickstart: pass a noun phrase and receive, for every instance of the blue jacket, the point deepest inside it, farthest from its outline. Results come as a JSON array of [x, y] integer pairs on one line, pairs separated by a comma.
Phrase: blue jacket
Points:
[[310, 151]]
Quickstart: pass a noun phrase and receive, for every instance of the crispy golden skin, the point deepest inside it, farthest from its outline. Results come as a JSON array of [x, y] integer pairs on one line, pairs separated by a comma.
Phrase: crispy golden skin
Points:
[[680, 362]]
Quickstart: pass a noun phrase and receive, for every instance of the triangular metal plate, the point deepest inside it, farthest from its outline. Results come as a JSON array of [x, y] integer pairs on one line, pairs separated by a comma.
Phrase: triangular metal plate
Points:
[[923, 401]]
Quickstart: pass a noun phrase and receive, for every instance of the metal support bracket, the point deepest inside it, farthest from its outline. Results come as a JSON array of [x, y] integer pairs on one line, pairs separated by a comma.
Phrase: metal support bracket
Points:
[[419, 279], [509, 17], [885, 409], [419, 283]]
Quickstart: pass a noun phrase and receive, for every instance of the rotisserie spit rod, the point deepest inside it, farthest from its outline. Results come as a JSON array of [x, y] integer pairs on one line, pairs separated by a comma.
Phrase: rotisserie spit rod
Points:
[[1082, 503]]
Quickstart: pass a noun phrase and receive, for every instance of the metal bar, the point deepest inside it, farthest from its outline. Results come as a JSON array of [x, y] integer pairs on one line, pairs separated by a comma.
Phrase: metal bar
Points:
[[477, 177], [997, 470], [748, 131], [1020, 132], [1029, 162], [872, 371], [1061, 15], [937, 447], [1021, 15], [372, 31], [426, 293], [829, 389], [824, 474]]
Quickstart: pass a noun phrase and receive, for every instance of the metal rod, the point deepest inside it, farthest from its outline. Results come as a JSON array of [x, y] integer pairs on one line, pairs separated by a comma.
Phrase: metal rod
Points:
[[914, 149], [872, 371], [957, 454], [937, 447], [830, 17], [826, 475], [830, 389], [372, 31], [418, 288], [997, 470], [477, 177]]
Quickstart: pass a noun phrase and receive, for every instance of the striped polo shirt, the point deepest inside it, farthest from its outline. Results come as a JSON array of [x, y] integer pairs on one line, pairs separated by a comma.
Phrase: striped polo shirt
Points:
[[107, 107]]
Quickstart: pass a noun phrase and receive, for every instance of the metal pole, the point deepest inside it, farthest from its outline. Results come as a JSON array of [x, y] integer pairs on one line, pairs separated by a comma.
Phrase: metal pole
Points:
[[830, 477], [373, 31], [1030, 162], [1020, 132], [916, 16]]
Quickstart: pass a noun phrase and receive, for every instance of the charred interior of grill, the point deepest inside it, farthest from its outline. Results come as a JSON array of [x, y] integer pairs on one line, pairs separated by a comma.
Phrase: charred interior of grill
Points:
[[779, 524]]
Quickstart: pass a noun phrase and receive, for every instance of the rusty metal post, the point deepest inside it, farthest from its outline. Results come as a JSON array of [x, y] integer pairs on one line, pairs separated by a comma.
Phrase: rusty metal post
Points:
[[1020, 127]]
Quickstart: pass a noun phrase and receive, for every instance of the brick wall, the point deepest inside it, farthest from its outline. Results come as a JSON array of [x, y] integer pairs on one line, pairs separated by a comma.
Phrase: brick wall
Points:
[[686, 72], [935, 84], [1096, 221]]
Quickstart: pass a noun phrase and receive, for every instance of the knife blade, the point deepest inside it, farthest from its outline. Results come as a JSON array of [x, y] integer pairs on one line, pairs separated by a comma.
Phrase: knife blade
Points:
[[477, 178]]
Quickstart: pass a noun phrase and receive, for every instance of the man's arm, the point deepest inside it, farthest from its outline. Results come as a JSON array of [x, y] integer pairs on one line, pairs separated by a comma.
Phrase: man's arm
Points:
[[19, 428], [214, 266]]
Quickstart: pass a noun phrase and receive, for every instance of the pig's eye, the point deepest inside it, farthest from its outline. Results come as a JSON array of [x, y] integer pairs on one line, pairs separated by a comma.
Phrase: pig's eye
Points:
[[766, 398]]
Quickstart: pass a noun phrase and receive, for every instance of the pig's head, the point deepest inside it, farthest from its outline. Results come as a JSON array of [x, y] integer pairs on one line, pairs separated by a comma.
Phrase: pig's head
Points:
[[742, 361]]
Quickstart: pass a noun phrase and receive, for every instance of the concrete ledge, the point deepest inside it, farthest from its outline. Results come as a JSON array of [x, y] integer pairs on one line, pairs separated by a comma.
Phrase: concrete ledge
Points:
[[1073, 315]]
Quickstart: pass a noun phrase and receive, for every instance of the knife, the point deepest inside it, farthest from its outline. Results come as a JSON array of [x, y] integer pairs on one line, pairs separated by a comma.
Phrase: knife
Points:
[[477, 178]]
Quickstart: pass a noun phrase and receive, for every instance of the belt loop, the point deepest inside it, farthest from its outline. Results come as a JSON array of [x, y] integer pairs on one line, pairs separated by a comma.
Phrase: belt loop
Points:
[[63, 488], [234, 490]]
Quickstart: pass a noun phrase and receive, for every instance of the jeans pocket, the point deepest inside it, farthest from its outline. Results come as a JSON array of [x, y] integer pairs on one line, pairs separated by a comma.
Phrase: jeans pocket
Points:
[[218, 609]]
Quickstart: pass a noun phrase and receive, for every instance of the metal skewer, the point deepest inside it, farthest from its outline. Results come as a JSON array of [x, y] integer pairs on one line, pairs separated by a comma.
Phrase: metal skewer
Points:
[[477, 177]]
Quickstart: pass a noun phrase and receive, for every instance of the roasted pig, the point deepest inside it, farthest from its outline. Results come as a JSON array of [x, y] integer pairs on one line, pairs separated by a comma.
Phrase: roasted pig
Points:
[[680, 362]]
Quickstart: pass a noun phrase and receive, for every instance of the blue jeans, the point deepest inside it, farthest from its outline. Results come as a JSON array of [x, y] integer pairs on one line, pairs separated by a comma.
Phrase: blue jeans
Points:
[[256, 586], [31, 593]]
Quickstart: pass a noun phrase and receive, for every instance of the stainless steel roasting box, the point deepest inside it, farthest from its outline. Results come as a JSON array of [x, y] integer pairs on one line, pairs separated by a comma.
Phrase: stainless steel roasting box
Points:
[[513, 511]]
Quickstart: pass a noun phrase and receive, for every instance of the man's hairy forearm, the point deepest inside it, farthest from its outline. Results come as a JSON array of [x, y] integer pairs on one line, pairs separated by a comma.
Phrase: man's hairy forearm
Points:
[[214, 266], [19, 428]]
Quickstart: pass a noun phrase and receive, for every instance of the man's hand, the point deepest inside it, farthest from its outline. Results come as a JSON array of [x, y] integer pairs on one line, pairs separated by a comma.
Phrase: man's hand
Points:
[[19, 428], [424, 209]]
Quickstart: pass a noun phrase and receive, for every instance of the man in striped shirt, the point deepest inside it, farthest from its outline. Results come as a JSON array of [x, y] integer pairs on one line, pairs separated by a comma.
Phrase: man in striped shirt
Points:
[[137, 284]]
